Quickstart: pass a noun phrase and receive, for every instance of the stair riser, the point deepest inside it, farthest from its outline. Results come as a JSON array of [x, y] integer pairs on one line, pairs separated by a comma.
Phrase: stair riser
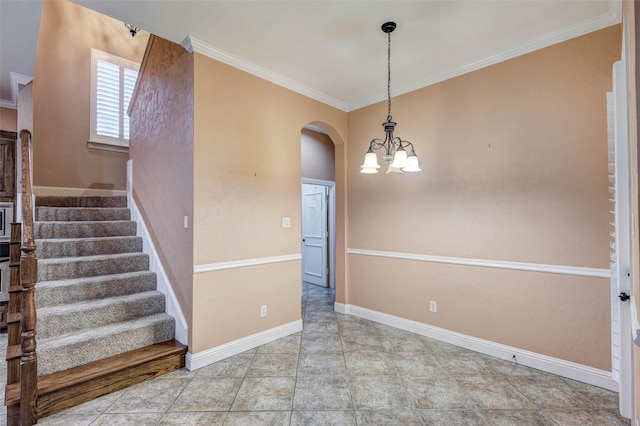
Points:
[[44, 230], [101, 381], [58, 356], [53, 269], [93, 289], [81, 214], [49, 249], [59, 320], [52, 201]]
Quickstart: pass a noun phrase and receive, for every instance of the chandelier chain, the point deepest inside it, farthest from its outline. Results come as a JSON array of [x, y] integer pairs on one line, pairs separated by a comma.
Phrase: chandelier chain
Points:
[[389, 76]]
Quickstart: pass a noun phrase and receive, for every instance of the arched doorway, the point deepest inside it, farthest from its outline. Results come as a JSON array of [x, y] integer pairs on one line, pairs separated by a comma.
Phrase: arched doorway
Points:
[[317, 206]]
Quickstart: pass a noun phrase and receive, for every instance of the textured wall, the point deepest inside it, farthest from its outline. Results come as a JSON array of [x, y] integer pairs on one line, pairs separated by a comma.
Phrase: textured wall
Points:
[[161, 148], [515, 169], [62, 87]]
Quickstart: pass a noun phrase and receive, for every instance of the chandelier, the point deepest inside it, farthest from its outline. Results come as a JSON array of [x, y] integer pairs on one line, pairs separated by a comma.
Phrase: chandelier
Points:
[[395, 149], [133, 30]]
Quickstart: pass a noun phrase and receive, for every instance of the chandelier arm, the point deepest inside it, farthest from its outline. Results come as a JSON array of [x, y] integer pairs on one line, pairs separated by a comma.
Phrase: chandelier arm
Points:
[[397, 142], [376, 144]]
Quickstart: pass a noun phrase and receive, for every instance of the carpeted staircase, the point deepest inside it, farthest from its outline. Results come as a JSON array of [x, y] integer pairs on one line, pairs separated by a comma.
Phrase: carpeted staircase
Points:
[[95, 296], [101, 323]]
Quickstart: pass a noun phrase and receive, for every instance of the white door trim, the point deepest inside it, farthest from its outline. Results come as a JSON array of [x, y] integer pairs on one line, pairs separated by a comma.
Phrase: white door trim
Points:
[[332, 224]]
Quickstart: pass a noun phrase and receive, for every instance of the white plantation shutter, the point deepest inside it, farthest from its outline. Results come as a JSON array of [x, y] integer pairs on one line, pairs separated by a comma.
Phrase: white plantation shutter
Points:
[[130, 77], [113, 80]]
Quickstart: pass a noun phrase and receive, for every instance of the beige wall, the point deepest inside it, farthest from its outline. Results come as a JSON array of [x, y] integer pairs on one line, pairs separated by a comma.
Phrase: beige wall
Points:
[[9, 119], [62, 85], [515, 169], [161, 148], [318, 156], [247, 177]]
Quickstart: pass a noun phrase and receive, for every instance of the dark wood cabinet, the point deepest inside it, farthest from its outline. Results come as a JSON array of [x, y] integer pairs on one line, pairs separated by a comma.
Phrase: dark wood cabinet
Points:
[[3, 317], [7, 165]]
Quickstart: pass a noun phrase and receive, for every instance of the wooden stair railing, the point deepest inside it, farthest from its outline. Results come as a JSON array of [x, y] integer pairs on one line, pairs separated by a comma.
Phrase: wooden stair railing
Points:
[[14, 339], [28, 279], [25, 413]]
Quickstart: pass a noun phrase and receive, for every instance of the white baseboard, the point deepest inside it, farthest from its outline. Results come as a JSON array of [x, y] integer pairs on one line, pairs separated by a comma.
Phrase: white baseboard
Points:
[[172, 307], [571, 370], [75, 192], [341, 308], [204, 358]]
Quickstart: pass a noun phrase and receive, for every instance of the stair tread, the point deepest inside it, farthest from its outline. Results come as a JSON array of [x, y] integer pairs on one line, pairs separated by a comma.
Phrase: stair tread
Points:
[[46, 214], [86, 306], [78, 222], [97, 332], [63, 208], [82, 201], [82, 239], [59, 260], [81, 228], [76, 290], [51, 248], [97, 278], [95, 304]]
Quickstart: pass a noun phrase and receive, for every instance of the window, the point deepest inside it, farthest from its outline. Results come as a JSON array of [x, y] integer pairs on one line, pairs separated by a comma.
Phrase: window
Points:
[[112, 82]]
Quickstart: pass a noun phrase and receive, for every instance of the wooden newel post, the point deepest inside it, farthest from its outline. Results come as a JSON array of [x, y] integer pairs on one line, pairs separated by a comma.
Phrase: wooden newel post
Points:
[[28, 279]]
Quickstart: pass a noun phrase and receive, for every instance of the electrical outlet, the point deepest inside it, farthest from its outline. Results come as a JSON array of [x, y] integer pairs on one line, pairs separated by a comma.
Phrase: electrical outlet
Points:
[[263, 310], [433, 306], [286, 222]]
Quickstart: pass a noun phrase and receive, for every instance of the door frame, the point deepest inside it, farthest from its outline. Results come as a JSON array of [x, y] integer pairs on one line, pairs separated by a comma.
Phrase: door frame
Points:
[[331, 213]]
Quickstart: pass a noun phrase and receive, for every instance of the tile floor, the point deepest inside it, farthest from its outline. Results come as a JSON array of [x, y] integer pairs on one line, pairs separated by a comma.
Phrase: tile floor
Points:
[[343, 370]]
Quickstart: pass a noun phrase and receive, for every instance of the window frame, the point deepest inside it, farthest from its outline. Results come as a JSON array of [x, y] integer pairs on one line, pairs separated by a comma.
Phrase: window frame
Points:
[[121, 143]]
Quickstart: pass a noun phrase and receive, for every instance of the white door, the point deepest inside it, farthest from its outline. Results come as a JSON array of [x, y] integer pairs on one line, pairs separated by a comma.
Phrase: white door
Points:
[[314, 234]]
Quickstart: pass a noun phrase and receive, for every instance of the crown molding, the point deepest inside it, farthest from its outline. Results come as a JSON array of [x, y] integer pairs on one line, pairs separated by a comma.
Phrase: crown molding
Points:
[[192, 44], [612, 17], [16, 80]]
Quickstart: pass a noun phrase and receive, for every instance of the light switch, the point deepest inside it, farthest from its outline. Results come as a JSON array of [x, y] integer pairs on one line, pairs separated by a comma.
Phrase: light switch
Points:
[[186, 222], [286, 222]]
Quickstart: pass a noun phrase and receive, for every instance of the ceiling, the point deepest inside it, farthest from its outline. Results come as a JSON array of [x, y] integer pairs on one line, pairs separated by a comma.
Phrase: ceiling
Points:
[[334, 51]]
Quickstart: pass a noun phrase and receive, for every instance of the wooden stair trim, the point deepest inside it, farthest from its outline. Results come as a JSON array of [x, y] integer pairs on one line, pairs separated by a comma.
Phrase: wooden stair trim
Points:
[[12, 394], [65, 389], [13, 317], [108, 365], [13, 352]]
